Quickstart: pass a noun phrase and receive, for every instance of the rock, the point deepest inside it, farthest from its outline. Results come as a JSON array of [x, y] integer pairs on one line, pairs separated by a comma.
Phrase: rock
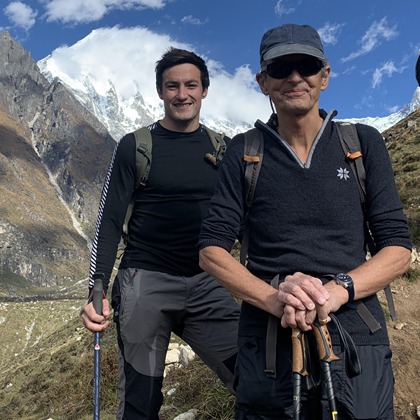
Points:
[[173, 346], [172, 356], [414, 256], [399, 325], [185, 355], [189, 415], [165, 409], [171, 392], [418, 411]]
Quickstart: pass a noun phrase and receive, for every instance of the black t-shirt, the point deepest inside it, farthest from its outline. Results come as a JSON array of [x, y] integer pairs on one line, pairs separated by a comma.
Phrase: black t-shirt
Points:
[[168, 212]]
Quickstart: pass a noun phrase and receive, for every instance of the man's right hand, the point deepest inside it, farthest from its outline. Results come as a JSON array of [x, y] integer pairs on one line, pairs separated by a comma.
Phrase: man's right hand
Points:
[[94, 322], [304, 297]]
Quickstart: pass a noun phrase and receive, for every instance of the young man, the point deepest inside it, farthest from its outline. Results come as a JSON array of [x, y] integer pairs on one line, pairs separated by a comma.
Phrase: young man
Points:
[[160, 287], [306, 222]]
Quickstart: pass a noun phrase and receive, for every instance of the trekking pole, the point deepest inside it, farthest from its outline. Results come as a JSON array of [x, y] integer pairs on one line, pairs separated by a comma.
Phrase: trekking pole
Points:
[[97, 305], [299, 368], [326, 355]]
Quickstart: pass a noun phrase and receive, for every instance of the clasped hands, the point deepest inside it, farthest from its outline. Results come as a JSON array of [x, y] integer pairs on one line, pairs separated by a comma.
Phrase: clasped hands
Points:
[[302, 298]]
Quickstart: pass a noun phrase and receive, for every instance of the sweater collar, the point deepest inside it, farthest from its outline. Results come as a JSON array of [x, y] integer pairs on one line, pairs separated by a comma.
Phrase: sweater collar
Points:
[[271, 129]]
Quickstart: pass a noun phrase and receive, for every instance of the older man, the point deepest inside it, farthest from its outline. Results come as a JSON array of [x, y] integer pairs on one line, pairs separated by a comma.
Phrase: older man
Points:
[[307, 222]]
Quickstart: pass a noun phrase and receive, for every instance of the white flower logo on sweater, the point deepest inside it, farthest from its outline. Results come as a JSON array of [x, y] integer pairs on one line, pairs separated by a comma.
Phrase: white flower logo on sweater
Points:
[[343, 173]]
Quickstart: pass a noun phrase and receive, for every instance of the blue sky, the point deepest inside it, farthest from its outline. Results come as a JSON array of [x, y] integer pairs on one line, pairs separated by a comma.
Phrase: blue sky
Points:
[[372, 45]]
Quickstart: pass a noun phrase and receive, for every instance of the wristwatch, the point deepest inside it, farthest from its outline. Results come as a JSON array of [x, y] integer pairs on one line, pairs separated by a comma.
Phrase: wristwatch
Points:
[[347, 282]]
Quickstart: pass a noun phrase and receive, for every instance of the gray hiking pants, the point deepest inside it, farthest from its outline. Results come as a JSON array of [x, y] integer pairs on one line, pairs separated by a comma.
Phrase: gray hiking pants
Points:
[[148, 306]]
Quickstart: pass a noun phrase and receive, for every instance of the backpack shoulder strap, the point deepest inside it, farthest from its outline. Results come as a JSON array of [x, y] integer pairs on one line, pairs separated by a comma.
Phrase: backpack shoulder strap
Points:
[[219, 146], [350, 142], [143, 162], [144, 155], [253, 156]]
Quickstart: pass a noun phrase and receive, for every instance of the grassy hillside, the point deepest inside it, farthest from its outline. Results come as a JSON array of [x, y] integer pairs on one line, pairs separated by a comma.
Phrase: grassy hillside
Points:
[[403, 143], [55, 380]]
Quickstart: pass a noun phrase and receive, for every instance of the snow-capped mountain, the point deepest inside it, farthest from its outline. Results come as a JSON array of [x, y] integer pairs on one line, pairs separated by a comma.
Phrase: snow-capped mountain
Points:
[[382, 124], [121, 113]]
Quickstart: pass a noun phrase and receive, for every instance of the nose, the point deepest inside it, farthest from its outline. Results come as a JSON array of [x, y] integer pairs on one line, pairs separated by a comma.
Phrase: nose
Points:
[[294, 76], [182, 93]]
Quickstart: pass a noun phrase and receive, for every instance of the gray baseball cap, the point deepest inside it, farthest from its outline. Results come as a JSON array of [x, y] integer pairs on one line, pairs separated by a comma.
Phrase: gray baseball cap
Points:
[[291, 39]]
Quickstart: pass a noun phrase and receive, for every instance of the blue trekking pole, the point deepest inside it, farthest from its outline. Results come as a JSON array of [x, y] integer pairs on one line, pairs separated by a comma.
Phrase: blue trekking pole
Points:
[[97, 305]]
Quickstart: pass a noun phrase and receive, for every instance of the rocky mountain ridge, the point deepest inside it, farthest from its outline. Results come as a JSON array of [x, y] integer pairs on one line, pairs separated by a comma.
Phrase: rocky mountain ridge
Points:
[[53, 159]]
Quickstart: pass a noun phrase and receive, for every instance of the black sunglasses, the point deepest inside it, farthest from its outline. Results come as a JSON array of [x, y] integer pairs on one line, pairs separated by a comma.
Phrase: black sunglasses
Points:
[[282, 68]]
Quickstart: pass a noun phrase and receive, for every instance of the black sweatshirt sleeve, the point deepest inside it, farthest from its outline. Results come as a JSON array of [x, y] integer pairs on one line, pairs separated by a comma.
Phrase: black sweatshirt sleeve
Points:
[[385, 211], [222, 225], [116, 195]]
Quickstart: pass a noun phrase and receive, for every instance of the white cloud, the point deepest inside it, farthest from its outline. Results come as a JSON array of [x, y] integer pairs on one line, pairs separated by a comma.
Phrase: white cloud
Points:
[[84, 11], [20, 15], [193, 21], [349, 70], [127, 58], [334, 74], [387, 69], [372, 38], [235, 96], [414, 52], [329, 33], [393, 109], [282, 7], [368, 101]]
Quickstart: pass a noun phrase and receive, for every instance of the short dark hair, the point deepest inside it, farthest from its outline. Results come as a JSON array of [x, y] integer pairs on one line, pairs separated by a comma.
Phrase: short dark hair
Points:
[[176, 56]]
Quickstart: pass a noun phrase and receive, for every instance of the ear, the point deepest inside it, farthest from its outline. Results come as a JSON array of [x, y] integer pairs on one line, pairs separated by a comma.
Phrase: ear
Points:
[[262, 82], [326, 78], [205, 92], [159, 92]]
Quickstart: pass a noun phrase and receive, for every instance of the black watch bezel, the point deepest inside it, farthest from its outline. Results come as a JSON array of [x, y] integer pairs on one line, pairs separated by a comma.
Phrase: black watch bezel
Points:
[[346, 281]]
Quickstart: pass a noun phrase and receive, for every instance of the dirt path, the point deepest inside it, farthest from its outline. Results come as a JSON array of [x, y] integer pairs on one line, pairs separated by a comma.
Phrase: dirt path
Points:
[[405, 343]]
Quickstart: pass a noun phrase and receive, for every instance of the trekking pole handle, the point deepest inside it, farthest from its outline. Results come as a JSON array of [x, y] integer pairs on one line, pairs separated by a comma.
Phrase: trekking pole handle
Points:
[[323, 341], [299, 355], [98, 292], [326, 355], [299, 369]]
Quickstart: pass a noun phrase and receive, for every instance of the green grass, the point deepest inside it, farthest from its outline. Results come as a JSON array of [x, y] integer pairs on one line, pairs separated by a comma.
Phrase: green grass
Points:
[[412, 275], [55, 380], [13, 284], [404, 148]]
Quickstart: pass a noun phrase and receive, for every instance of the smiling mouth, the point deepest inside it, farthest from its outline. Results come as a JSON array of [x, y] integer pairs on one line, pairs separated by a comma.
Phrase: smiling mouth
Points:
[[295, 92], [183, 106]]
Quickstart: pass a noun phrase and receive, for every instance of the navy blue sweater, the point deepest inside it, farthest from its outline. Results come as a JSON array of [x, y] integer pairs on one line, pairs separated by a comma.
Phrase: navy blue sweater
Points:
[[308, 218]]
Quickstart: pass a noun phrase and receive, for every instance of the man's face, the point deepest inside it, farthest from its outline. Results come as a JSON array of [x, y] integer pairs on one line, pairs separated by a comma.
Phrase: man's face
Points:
[[182, 93], [294, 94]]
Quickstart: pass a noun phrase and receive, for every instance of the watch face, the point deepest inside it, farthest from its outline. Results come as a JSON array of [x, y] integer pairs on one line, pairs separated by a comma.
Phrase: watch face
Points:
[[347, 282], [344, 279]]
